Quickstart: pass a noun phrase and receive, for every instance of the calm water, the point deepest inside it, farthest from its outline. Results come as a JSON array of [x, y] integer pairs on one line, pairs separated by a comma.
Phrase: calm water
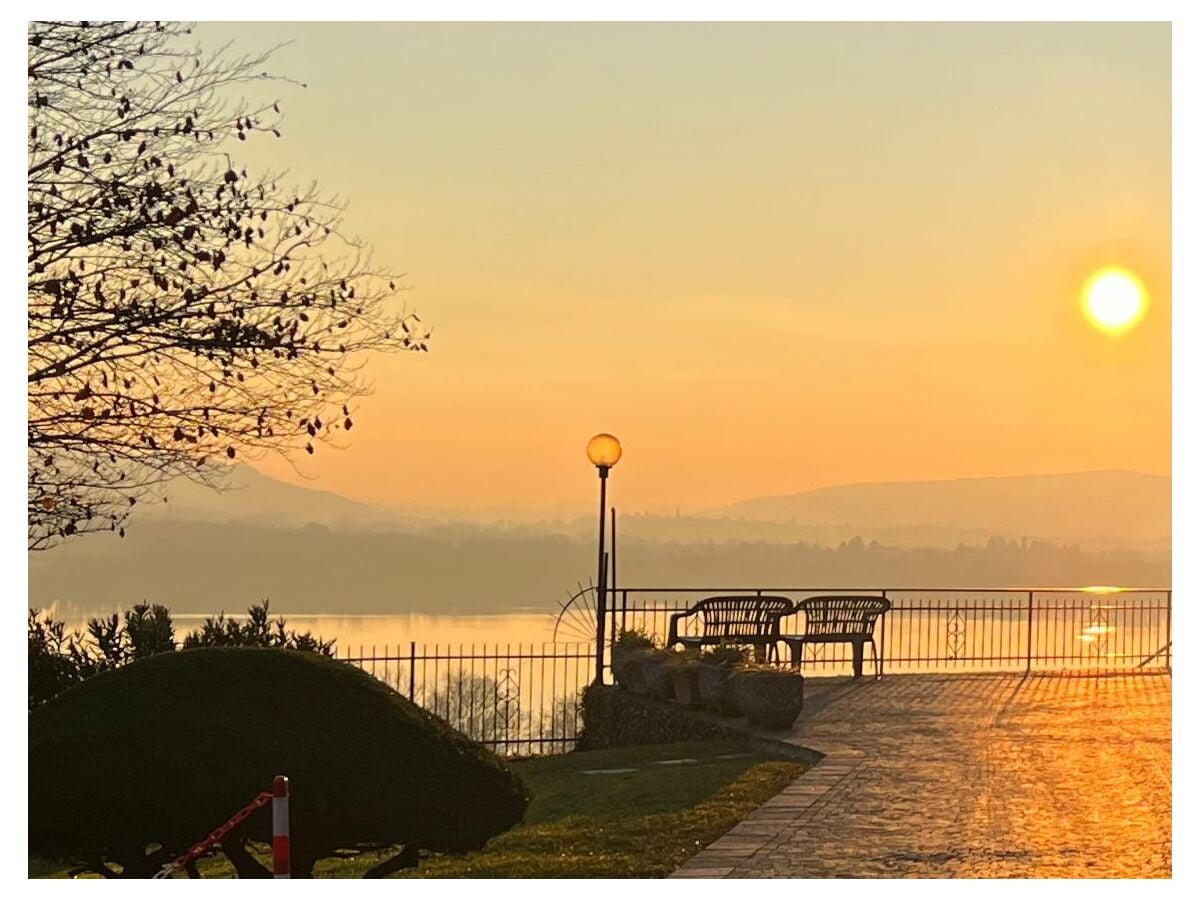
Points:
[[365, 632]]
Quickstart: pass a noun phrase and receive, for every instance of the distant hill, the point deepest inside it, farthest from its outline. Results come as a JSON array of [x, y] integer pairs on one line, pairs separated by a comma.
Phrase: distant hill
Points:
[[252, 497], [1098, 509], [1111, 505], [249, 496]]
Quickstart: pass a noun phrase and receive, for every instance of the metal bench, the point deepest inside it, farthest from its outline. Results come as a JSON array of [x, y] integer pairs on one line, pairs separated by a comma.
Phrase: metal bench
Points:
[[739, 620], [839, 619]]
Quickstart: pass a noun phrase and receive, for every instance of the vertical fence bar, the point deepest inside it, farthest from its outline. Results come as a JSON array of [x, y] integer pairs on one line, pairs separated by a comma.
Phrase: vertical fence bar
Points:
[[1056, 633], [507, 676], [882, 640], [412, 671], [495, 706], [906, 617], [458, 721], [542, 695], [1143, 617], [1029, 633], [612, 583], [600, 610], [424, 671], [929, 638], [1168, 631]]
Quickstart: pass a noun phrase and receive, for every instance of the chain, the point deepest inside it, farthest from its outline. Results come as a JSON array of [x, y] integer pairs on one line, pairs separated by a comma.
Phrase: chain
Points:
[[216, 836]]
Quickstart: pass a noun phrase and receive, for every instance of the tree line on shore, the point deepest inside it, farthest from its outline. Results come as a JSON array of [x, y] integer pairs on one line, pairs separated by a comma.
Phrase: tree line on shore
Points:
[[322, 570]]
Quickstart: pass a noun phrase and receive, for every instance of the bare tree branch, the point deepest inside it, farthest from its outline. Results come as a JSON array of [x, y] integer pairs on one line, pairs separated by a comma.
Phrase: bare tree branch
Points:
[[181, 310]]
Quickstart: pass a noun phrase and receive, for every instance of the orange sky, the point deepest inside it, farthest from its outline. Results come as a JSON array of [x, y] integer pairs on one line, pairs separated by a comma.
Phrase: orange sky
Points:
[[768, 257]]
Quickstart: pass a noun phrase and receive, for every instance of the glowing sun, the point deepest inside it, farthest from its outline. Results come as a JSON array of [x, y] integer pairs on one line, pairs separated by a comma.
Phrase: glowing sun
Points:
[[1114, 300]]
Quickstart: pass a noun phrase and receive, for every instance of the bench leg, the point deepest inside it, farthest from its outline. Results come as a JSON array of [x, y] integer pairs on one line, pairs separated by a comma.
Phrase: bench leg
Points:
[[795, 654], [858, 659]]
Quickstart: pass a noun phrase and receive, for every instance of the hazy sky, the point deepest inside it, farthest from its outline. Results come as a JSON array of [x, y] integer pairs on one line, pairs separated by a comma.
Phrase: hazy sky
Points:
[[768, 257]]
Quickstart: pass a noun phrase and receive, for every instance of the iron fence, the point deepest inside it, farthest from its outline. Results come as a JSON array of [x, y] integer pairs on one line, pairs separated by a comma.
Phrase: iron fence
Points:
[[958, 629], [524, 699], [518, 699]]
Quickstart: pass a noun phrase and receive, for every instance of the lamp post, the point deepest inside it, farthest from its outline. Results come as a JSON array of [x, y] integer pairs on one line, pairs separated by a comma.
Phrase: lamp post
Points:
[[603, 451]]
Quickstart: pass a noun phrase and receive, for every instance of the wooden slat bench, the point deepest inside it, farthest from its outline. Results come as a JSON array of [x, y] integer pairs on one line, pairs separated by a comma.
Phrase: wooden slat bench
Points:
[[839, 619], [751, 620]]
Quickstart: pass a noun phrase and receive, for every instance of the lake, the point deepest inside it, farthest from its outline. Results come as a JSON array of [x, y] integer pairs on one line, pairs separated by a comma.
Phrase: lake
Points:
[[358, 634], [924, 630]]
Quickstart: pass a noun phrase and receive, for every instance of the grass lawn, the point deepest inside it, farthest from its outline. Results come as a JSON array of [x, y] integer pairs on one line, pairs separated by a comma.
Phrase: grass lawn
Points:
[[587, 820]]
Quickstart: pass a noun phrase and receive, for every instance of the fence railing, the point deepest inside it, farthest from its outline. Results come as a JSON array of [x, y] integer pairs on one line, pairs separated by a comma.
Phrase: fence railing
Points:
[[518, 699], [959, 629], [524, 699]]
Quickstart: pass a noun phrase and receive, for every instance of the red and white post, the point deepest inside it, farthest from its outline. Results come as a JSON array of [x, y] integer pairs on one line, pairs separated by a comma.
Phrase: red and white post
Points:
[[281, 841]]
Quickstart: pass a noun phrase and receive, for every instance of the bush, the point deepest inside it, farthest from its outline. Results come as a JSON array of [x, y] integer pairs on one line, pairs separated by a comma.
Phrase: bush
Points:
[[632, 640], [616, 718], [165, 749], [725, 655], [58, 660], [54, 659], [257, 631]]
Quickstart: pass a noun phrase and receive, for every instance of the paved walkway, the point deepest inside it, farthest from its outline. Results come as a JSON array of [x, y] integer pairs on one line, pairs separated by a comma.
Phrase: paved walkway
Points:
[[976, 776]]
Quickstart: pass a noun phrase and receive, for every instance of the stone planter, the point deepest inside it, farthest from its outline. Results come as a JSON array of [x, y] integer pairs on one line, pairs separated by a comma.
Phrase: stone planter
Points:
[[657, 681], [770, 698], [716, 689], [684, 682], [627, 672]]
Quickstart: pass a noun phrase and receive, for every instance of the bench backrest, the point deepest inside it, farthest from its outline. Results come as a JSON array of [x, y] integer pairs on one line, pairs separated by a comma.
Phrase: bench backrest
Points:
[[842, 614], [736, 617]]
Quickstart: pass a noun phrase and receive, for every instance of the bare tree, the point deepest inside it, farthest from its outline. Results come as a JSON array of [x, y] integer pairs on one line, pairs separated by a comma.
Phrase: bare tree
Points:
[[181, 311]]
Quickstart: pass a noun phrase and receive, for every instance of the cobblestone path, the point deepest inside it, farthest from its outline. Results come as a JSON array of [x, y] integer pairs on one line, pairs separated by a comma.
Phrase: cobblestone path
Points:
[[975, 776]]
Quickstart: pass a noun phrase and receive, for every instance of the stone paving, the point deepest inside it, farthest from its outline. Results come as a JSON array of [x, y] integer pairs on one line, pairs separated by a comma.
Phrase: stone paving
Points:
[[970, 776]]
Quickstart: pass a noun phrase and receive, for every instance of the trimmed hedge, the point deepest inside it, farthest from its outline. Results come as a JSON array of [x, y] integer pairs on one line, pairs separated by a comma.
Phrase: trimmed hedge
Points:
[[164, 750], [615, 717]]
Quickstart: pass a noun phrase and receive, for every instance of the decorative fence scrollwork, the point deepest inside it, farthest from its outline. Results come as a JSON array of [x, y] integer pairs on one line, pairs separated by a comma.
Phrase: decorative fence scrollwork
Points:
[[956, 635], [508, 701]]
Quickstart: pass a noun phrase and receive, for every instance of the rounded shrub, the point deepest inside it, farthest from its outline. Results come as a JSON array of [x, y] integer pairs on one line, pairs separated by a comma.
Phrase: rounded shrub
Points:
[[162, 751]]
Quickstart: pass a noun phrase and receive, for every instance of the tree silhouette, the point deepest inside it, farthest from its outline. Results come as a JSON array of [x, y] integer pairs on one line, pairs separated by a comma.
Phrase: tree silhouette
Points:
[[58, 660], [181, 310]]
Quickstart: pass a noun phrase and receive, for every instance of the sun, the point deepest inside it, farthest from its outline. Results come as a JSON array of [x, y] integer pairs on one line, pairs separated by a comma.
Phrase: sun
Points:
[[1114, 300]]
